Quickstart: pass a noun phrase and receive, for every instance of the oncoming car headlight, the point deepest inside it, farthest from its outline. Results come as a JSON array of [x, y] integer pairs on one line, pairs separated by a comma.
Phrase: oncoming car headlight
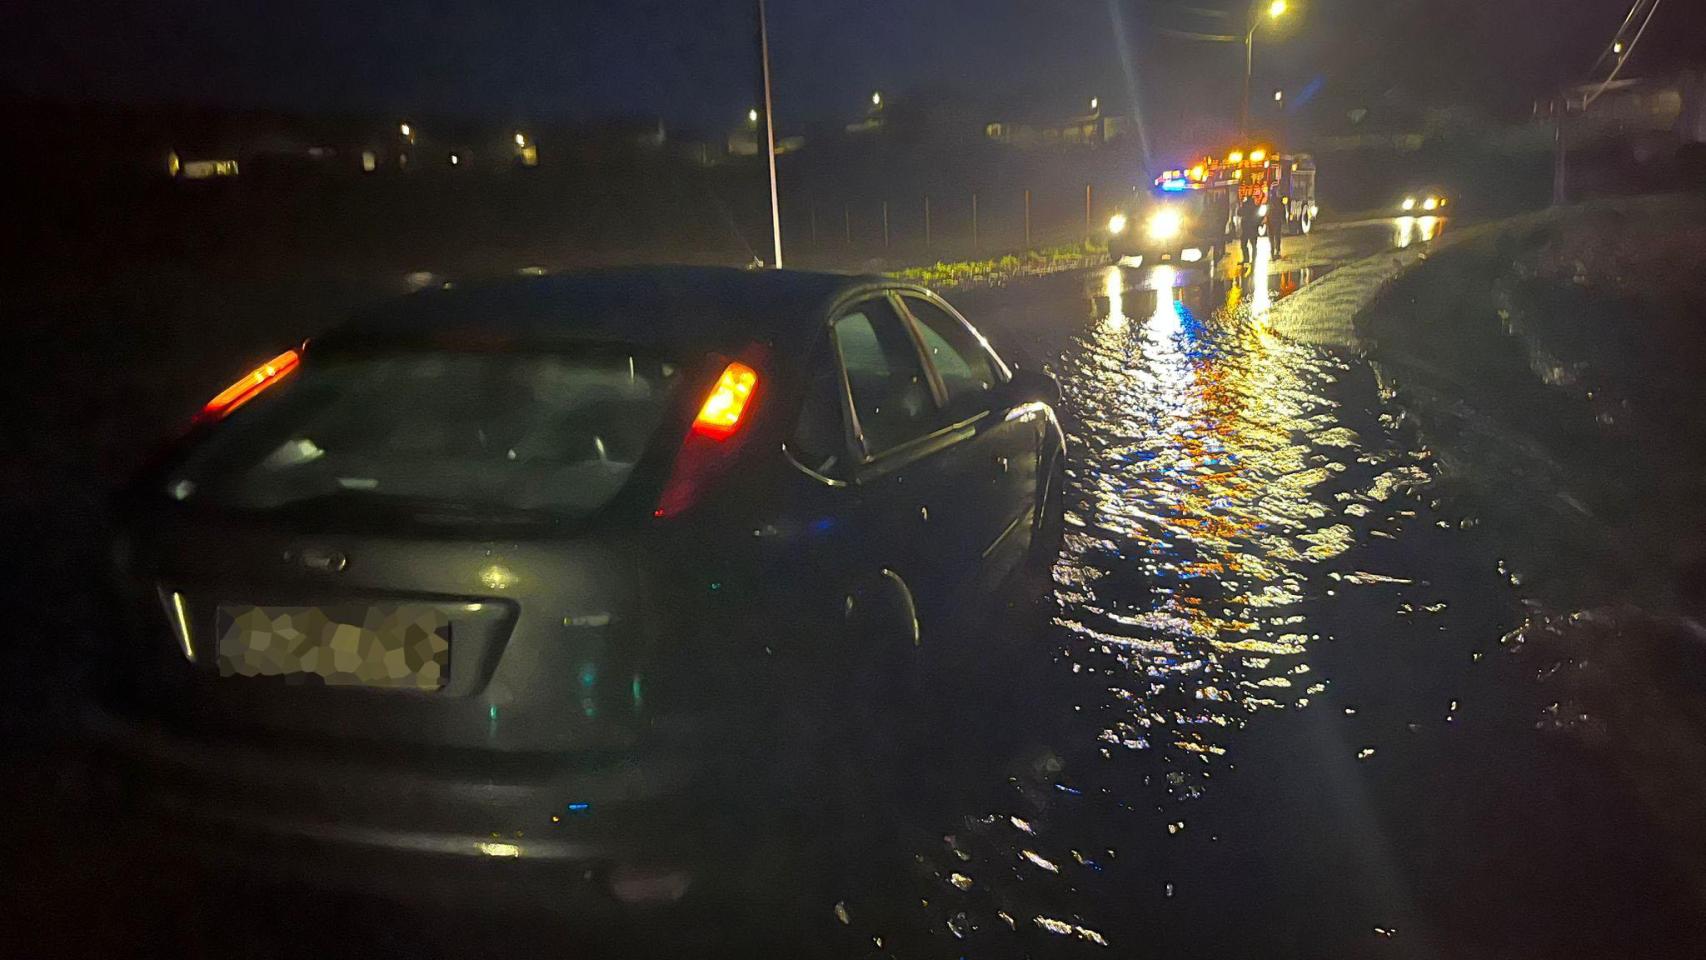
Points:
[[1408, 204], [1431, 203], [1165, 224], [1116, 223]]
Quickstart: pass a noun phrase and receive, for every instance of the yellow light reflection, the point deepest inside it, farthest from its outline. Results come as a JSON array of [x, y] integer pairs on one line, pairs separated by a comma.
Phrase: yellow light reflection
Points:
[[1114, 285], [1412, 230], [1163, 321], [1261, 300], [181, 623], [496, 576], [1202, 471]]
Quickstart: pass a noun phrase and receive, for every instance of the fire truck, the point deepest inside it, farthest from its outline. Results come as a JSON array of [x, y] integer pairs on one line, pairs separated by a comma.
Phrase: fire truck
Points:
[[1188, 214]]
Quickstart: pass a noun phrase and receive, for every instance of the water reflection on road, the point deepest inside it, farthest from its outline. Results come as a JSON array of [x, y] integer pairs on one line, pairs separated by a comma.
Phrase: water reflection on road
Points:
[[1212, 479]]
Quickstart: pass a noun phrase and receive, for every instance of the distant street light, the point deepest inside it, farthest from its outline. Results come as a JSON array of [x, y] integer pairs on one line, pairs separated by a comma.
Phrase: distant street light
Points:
[[520, 139], [1095, 104], [1617, 47], [1279, 95], [405, 130], [876, 98], [1277, 8], [454, 159], [752, 116]]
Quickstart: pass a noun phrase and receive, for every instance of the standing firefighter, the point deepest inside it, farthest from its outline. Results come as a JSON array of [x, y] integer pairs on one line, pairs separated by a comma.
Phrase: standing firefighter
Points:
[[1276, 222], [1249, 227]]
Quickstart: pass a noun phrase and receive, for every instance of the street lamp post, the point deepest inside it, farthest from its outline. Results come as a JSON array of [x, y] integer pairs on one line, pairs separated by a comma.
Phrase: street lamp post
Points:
[[1276, 9], [770, 135]]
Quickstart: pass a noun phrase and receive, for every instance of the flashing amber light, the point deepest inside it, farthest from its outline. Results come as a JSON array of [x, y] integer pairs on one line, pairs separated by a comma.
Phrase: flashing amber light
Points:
[[1199, 171], [1236, 156], [250, 386], [1257, 156], [720, 416]]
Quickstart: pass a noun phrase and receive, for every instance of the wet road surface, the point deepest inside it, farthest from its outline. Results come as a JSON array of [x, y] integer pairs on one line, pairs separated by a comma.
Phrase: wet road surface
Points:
[[1274, 709], [1276, 712]]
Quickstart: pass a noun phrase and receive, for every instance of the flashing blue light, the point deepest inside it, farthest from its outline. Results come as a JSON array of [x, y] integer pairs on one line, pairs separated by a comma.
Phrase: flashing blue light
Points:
[[580, 806], [1175, 185]]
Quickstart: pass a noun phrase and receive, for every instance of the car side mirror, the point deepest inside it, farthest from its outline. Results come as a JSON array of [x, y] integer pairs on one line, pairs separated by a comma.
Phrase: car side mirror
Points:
[[1033, 383]]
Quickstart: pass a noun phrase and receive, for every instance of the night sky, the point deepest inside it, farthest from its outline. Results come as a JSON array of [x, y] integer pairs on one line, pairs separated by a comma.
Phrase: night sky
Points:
[[691, 61]]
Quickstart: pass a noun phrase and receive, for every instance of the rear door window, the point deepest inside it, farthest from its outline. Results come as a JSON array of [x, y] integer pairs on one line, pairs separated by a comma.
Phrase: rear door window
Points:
[[961, 358], [892, 401], [499, 432]]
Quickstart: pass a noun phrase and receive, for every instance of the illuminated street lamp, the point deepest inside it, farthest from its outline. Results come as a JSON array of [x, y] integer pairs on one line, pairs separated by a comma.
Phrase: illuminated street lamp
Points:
[[1279, 96], [520, 139], [1275, 9], [877, 98], [752, 116], [1617, 48], [1095, 104]]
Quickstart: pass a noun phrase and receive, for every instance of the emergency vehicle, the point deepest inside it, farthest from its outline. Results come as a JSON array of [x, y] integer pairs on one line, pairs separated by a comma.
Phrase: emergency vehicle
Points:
[[1188, 214]]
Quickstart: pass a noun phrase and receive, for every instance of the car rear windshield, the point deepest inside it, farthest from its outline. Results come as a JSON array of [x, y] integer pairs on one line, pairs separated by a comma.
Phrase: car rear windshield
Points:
[[454, 434]]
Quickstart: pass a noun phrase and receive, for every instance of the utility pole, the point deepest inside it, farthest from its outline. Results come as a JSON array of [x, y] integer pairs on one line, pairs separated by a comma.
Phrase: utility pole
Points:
[[770, 134], [1244, 103]]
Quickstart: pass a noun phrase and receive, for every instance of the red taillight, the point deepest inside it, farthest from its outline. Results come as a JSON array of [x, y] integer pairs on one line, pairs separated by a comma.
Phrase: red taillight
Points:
[[712, 439], [249, 387], [720, 415]]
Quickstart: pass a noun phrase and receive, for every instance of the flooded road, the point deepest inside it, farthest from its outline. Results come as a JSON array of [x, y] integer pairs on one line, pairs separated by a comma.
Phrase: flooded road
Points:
[[1275, 712]]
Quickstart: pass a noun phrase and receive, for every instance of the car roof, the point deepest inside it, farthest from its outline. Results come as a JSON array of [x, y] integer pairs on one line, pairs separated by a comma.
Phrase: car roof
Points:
[[670, 309]]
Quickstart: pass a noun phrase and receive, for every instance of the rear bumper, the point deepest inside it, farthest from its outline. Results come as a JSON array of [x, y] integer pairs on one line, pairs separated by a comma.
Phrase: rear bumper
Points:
[[617, 828]]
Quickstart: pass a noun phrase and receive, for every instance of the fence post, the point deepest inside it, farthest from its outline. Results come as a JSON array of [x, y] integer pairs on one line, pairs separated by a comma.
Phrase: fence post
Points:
[[927, 221], [1027, 219], [885, 224], [847, 222], [975, 246], [1086, 213]]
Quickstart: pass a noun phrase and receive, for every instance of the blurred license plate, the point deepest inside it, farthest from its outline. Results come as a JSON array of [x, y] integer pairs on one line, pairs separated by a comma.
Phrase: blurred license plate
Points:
[[402, 646]]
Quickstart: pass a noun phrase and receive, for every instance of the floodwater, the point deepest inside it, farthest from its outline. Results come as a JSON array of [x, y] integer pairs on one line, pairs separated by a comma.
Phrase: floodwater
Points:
[[1283, 707]]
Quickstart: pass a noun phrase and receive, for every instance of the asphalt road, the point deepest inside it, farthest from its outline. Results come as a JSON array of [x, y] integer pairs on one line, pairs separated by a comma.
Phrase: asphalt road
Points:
[[1272, 712]]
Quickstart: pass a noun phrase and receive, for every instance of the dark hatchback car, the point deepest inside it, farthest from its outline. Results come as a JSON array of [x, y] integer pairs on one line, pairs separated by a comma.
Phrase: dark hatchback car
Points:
[[512, 571]]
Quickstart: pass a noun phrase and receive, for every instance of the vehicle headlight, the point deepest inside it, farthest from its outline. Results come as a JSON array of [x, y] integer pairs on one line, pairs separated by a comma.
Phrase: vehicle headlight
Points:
[[1431, 203], [1165, 224], [1116, 223], [1408, 204]]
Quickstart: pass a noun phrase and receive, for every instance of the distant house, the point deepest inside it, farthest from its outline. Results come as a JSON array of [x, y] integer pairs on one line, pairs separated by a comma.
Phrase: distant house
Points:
[[745, 143], [1088, 130]]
